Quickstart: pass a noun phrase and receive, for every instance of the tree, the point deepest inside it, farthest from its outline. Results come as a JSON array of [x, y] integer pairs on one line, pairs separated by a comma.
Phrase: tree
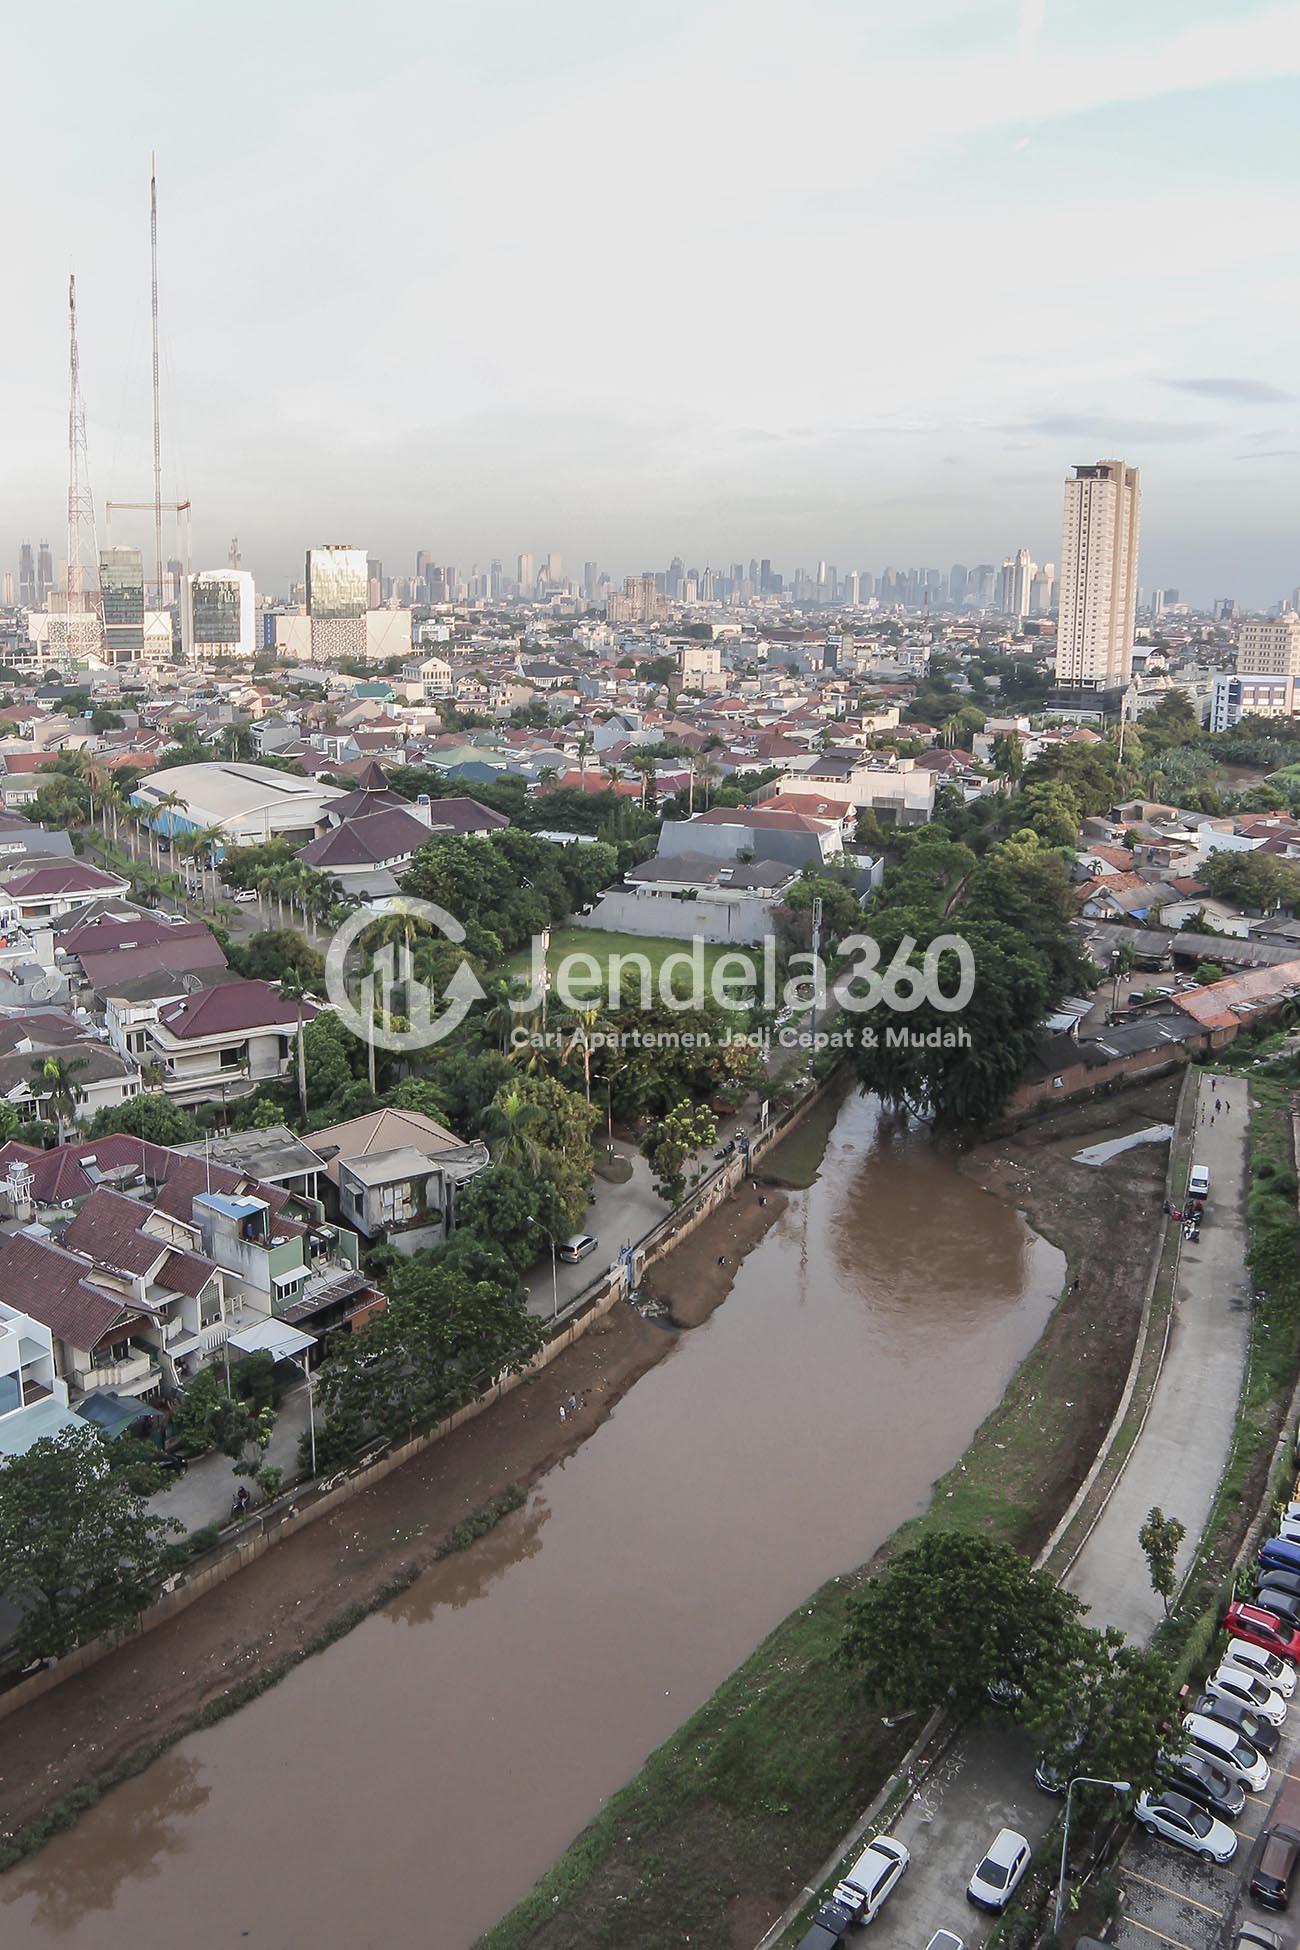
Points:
[[80, 1553], [55, 1078], [151, 1116], [669, 1145], [511, 1210], [1159, 1538], [900, 1630], [1100, 1706], [1009, 754]]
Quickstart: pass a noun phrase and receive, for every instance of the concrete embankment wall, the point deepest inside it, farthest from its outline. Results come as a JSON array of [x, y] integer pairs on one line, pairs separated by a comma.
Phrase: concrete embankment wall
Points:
[[294, 1511]]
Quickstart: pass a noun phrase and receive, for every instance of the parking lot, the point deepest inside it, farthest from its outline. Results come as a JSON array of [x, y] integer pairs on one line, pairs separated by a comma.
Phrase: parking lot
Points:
[[1170, 1897]]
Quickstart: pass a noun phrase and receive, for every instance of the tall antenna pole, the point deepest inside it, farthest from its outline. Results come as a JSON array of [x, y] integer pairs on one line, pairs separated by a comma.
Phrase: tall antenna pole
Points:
[[157, 430], [82, 597]]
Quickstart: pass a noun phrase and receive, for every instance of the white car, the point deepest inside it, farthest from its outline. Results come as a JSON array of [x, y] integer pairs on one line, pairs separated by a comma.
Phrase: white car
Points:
[[945, 1940], [1275, 1672], [1226, 1749], [245, 894], [1001, 1872], [1180, 1820], [1231, 1683], [873, 1878], [1289, 1528]]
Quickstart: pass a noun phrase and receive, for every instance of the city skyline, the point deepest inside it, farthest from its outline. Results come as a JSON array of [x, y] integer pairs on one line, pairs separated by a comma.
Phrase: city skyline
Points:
[[800, 332]]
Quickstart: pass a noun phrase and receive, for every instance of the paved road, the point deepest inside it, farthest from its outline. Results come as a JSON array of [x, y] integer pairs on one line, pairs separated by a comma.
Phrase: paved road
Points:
[[621, 1213], [1188, 1432], [205, 1492], [984, 1782]]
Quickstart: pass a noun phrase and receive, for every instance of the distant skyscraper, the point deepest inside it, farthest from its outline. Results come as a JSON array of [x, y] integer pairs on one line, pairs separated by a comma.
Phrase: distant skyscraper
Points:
[[1042, 591], [218, 615], [9, 588], [958, 577], [337, 598], [44, 574], [121, 577], [525, 575], [26, 577], [1016, 583], [1099, 570]]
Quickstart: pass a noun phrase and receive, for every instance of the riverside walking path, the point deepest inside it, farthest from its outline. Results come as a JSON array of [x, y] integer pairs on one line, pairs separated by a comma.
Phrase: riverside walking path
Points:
[[1187, 1436], [985, 1779]]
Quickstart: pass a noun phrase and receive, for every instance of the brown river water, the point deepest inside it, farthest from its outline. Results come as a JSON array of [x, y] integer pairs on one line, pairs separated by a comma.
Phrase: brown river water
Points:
[[405, 1787]]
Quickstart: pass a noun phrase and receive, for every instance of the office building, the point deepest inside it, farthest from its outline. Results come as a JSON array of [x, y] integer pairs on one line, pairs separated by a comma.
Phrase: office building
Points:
[[217, 619], [1236, 697], [121, 578], [1015, 583], [1270, 649], [9, 588], [338, 589], [26, 577], [1098, 581], [44, 574], [1042, 590], [525, 575]]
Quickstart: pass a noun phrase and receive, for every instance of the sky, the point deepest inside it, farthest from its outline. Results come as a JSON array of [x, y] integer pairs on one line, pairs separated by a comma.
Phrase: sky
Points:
[[848, 280]]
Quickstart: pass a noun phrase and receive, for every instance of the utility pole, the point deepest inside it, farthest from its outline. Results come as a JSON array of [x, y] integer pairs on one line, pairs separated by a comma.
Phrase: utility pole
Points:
[[82, 598], [157, 429]]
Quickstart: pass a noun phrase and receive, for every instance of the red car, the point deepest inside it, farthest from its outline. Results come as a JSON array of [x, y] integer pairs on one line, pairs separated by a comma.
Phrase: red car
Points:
[[1260, 1627]]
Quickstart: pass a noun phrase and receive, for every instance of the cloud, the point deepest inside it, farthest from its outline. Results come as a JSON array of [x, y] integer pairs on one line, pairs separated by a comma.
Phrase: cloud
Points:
[[1273, 453], [1117, 433], [1241, 390]]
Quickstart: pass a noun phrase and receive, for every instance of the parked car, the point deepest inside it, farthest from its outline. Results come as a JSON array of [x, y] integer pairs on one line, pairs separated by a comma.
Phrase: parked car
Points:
[[1287, 1582], [873, 1878], [1212, 1740], [828, 1928], [1288, 1529], [1276, 1554], [1187, 1824], [1260, 1627], [244, 894], [577, 1248], [1200, 1780], [945, 1940], [1230, 1682], [1052, 1772], [1001, 1872], [1244, 1719], [1275, 1858], [1250, 1936], [1275, 1672], [1284, 1605]]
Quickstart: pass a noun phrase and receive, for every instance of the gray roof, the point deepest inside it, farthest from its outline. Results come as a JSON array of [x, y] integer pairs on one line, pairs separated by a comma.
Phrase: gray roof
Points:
[[760, 875], [271, 1155]]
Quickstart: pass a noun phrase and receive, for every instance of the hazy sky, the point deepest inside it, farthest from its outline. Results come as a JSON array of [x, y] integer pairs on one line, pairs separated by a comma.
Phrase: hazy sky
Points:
[[853, 279]]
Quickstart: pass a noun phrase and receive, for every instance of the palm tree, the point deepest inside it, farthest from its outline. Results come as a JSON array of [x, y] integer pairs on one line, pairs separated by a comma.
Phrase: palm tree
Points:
[[643, 763], [55, 1077], [498, 1016], [508, 1124], [172, 803], [548, 775], [208, 844], [584, 1024], [585, 743]]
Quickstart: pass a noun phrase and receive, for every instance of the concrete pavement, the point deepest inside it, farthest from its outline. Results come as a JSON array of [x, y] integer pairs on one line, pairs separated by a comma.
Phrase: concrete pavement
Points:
[[620, 1214], [1185, 1441], [204, 1494], [984, 1782]]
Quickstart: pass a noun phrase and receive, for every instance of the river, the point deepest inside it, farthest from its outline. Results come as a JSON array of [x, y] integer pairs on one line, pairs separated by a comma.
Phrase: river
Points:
[[405, 1787]]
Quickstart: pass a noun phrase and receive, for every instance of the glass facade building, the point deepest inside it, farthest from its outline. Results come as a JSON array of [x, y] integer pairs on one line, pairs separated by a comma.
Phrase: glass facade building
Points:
[[337, 584], [121, 578], [216, 607]]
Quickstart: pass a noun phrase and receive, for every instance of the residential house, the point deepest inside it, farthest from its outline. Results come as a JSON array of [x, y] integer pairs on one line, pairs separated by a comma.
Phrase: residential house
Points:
[[33, 1396], [395, 1175], [225, 1040]]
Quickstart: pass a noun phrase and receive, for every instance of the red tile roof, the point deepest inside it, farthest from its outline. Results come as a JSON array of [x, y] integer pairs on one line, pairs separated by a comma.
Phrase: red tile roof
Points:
[[49, 1283], [231, 1009]]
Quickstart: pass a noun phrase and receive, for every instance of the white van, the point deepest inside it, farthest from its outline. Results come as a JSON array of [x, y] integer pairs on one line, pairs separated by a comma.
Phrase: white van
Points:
[[1198, 1185], [1227, 1749]]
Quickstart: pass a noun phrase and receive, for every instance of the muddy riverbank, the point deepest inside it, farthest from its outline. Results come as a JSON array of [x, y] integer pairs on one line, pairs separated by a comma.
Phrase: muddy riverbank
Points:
[[514, 1687]]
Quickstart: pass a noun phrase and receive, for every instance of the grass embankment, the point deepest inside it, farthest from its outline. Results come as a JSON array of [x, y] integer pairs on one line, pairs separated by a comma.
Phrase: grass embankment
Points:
[[1271, 1370], [757, 1787]]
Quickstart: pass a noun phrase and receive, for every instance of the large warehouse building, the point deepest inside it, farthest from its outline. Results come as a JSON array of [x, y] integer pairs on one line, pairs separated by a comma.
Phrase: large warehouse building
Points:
[[251, 803]]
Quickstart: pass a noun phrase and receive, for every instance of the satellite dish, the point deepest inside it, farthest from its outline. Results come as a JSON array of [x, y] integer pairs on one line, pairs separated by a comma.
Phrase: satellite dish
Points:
[[191, 984], [46, 989]]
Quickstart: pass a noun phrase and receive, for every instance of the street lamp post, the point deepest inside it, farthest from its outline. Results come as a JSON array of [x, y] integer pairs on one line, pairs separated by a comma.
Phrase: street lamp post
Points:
[[555, 1280], [311, 1407], [1080, 1780]]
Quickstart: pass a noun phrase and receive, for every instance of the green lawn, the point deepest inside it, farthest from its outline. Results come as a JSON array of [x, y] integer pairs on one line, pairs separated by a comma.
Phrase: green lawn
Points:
[[603, 946]]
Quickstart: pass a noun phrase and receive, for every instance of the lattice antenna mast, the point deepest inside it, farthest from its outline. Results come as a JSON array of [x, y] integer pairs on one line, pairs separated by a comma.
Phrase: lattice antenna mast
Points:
[[83, 591], [157, 426]]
